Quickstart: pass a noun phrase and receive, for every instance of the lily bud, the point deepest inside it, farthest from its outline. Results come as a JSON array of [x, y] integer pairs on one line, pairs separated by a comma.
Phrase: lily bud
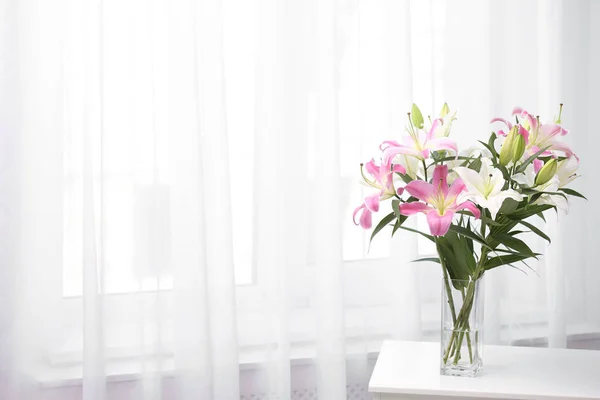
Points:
[[445, 110], [506, 152], [546, 173], [518, 148]]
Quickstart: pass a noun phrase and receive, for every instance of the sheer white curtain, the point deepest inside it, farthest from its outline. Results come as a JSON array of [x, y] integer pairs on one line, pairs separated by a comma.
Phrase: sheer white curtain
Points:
[[177, 180]]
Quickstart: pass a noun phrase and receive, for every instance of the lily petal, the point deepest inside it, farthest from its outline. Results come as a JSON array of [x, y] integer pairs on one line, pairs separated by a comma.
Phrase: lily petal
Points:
[[442, 144], [439, 224], [420, 189], [562, 147], [434, 126], [471, 179], [372, 202], [366, 219], [507, 123], [414, 208], [517, 110], [467, 205], [440, 174], [537, 165], [392, 151], [356, 210], [398, 168], [372, 168], [388, 143], [550, 130], [525, 133], [456, 188]]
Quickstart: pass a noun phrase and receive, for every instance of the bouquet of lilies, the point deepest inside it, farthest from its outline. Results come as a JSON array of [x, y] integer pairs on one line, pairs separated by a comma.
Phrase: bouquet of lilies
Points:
[[477, 202]]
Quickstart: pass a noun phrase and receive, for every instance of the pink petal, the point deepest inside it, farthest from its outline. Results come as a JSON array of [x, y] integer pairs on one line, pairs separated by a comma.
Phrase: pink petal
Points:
[[442, 144], [414, 208], [456, 188], [434, 126], [372, 168], [366, 220], [562, 147], [440, 173], [420, 189], [391, 152], [398, 168], [372, 202], [563, 131], [550, 130], [532, 120], [467, 205], [501, 133], [508, 124], [525, 133], [356, 210], [517, 110], [399, 191], [439, 224], [388, 143], [537, 165]]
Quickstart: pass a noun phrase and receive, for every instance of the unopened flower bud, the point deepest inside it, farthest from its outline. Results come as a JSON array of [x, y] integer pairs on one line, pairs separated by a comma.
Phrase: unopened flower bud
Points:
[[506, 152], [546, 173], [518, 148], [445, 110]]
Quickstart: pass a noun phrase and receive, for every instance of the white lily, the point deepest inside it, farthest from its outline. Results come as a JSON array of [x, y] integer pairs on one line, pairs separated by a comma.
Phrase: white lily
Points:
[[484, 188], [567, 171]]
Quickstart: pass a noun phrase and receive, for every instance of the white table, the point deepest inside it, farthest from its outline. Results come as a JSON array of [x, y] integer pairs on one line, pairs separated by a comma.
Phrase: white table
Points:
[[410, 371]]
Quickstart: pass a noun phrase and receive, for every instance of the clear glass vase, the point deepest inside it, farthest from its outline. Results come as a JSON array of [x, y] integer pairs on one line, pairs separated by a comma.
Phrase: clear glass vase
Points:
[[462, 327]]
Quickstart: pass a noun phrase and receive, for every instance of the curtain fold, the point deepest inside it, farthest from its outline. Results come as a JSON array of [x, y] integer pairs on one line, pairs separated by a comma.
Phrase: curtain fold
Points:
[[177, 180]]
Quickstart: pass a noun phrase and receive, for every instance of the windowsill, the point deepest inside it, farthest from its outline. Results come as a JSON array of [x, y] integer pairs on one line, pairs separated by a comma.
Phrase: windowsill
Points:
[[251, 357], [121, 370]]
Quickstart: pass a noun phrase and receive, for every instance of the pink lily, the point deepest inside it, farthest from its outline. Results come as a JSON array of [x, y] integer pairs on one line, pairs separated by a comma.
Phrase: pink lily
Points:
[[382, 181], [537, 136], [418, 143], [438, 200]]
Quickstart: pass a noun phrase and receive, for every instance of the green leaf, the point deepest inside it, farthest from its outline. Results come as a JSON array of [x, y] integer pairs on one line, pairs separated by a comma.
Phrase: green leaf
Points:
[[488, 220], [491, 143], [396, 207], [508, 205], [416, 116], [406, 178], [399, 221], [501, 260], [541, 215], [470, 234], [529, 210], [384, 221], [535, 255], [476, 164], [572, 192], [528, 161], [453, 158], [455, 257], [427, 259], [491, 149], [514, 243], [536, 230], [419, 232]]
